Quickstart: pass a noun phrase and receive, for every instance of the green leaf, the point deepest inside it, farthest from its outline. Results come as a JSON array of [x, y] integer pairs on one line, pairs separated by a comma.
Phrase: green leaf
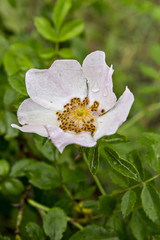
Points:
[[12, 3], [106, 205], [4, 238], [116, 225], [128, 202], [66, 204], [93, 159], [113, 139], [151, 202], [18, 83], [83, 190], [3, 47], [78, 43], [2, 123], [149, 71], [9, 97], [147, 90], [72, 176], [18, 101], [61, 9], [42, 175], [66, 53], [19, 168], [71, 29], [45, 29], [118, 178], [91, 232], [157, 237], [152, 143], [155, 52], [10, 63], [121, 165], [156, 12], [46, 53], [10, 132], [135, 158], [45, 147], [12, 186], [137, 226], [34, 231], [141, 226], [4, 168], [14, 62], [90, 204], [55, 223]]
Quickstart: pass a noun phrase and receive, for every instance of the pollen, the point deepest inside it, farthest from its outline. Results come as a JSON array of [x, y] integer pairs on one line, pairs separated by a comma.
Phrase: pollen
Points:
[[78, 116]]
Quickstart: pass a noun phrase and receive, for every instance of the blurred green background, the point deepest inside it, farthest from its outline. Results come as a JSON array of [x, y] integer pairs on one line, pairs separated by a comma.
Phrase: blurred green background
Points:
[[128, 31]]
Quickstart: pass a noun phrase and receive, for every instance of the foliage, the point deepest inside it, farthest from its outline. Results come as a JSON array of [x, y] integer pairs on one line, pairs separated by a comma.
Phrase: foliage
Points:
[[48, 195]]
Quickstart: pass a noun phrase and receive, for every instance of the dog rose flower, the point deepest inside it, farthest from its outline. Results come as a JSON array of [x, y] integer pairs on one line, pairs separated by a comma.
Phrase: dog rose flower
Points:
[[70, 103]]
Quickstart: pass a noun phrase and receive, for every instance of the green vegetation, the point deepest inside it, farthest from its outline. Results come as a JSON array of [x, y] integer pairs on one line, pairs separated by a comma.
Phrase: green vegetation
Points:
[[110, 191]]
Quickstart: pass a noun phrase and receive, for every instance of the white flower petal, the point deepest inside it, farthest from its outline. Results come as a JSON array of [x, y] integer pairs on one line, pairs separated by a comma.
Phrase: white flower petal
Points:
[[32, 113], [39, 129], [110, 122], [61, 139], [99, 77], [54, 87]]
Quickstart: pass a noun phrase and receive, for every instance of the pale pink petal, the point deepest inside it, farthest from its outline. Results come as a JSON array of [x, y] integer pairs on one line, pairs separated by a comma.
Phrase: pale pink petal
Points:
[[31, 113], [39, 129], [99, 77], [61, 139], [56, 86], [110, 122]]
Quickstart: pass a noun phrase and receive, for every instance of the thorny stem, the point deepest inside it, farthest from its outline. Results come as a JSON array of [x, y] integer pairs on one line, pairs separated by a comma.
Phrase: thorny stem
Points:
[[99, 185], [138, 116], [19, 218], [137, 185], [46, 209], [20, 214]]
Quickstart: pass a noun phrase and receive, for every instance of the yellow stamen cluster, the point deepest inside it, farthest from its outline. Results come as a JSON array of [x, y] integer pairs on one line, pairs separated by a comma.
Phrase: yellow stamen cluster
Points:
[[78, 117]]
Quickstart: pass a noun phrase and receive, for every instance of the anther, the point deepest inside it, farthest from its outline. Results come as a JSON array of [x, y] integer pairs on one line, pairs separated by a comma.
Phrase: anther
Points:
[[103, 111]]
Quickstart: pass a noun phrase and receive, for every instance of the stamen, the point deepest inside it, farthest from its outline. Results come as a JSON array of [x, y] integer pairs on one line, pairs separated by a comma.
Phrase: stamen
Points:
[[78, 116], [103, 111]]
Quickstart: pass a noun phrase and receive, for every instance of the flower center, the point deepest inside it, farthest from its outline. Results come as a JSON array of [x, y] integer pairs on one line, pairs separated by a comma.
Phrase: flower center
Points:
[[78, 116], [80, 112]]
